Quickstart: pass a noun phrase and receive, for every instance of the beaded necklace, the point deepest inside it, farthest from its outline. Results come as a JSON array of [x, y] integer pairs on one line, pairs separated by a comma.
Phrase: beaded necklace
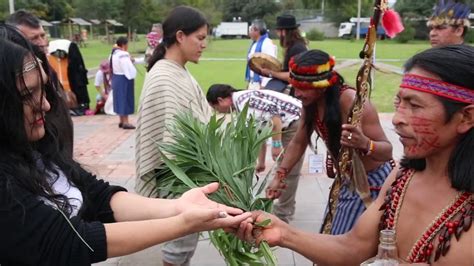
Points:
[[445, 225], [323, 133]]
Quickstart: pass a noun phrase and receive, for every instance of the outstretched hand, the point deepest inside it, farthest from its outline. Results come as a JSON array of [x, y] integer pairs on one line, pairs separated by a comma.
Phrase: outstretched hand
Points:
[[271, 233], [197, 220], [196, 198], [201, 213]]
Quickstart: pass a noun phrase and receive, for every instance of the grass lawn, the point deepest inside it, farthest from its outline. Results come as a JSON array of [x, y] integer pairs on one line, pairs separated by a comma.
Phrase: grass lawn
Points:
[[211, 70]]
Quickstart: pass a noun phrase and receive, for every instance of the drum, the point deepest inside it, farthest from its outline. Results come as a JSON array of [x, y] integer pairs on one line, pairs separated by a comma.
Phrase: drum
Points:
[[259, 61]]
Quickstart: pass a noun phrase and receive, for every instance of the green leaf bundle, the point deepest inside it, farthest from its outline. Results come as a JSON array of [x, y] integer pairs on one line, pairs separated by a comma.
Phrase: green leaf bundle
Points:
[[221, 152]]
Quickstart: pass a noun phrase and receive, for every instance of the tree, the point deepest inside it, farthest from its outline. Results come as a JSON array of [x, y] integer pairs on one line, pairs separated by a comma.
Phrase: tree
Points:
[[419, 8], [97, 9], [233, 9], [259, 9], [39, 8], [312, 4], [248, 10], [341, 10]]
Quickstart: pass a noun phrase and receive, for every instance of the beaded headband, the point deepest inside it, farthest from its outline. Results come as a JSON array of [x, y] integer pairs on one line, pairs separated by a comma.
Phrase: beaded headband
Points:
[[313, 77], [438, 87], [450, 13]]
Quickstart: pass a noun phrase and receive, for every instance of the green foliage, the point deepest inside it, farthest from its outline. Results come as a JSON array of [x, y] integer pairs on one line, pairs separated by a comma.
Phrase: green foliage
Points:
[[315, 35], [419, 8], [341, 10], [311, 4], [233, 9], [469, 38], [406, 35], [216, 152], [249, 10], [97, 9], [259, 9]]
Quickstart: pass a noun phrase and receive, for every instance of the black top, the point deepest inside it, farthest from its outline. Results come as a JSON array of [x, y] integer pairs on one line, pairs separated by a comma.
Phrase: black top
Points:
[[33, 233], [280, 85], [297, 48]]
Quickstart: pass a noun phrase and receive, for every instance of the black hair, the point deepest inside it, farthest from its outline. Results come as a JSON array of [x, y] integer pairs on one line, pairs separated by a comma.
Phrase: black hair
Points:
[[291, 37], [121, 41], [20, 158], [23, 17], [219, 91], [332, 119], [453, 64], [181, 18]]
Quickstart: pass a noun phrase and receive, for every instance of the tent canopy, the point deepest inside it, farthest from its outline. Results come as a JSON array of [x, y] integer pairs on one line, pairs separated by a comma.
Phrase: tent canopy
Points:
[[114, 22], [44, 23], [80, 21], [95, 21]]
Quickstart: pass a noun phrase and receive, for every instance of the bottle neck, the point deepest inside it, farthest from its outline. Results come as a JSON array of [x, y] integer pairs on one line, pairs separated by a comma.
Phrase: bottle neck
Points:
[[387, 250], [387, 244]]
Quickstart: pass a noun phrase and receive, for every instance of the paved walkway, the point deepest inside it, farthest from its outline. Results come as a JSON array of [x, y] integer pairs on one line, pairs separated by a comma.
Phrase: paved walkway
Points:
[[108, 151]]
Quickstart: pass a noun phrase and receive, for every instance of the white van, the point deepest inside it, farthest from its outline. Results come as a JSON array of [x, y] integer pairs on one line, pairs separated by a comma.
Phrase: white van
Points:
[[232, 30]]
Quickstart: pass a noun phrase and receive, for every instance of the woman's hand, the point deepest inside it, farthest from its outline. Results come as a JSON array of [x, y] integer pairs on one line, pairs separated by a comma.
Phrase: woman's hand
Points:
[[352, 136], [199, 213], [196, 198], [271, 233], [205, 219]]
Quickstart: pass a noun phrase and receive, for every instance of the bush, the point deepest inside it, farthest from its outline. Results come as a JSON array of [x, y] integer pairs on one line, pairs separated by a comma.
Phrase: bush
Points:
[[315, 35], [469, 38], [407, 35]]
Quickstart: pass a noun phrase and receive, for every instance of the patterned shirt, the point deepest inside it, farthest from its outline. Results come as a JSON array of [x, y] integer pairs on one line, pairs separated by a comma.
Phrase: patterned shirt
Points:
[[265, 104]]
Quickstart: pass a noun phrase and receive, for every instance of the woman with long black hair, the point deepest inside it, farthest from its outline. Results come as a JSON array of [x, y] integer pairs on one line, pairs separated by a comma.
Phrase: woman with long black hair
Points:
[[327, 102]]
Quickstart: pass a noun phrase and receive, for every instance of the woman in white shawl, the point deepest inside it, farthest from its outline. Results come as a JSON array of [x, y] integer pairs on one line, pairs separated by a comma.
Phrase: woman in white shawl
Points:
[[168, 89]]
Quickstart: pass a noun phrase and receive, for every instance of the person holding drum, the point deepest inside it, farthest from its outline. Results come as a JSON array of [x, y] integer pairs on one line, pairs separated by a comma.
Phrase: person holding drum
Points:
[[292, 43], [262, 46]]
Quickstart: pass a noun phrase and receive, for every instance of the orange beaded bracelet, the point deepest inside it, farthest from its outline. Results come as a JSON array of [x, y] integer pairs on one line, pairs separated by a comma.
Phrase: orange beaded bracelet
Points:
[[371, 148]]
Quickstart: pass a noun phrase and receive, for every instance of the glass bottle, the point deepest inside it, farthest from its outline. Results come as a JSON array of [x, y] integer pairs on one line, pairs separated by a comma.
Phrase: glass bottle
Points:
[[387, 254]]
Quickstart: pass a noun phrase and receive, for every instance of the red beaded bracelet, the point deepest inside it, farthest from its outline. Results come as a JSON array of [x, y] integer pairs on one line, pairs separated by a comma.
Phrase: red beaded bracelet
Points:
[[282, 173]]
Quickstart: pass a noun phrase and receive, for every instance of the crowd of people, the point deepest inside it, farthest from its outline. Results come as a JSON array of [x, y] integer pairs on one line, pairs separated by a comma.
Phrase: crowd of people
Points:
[[60, 214]]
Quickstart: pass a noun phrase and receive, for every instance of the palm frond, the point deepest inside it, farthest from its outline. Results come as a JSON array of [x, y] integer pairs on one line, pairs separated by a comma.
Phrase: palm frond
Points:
[[219, 152]]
